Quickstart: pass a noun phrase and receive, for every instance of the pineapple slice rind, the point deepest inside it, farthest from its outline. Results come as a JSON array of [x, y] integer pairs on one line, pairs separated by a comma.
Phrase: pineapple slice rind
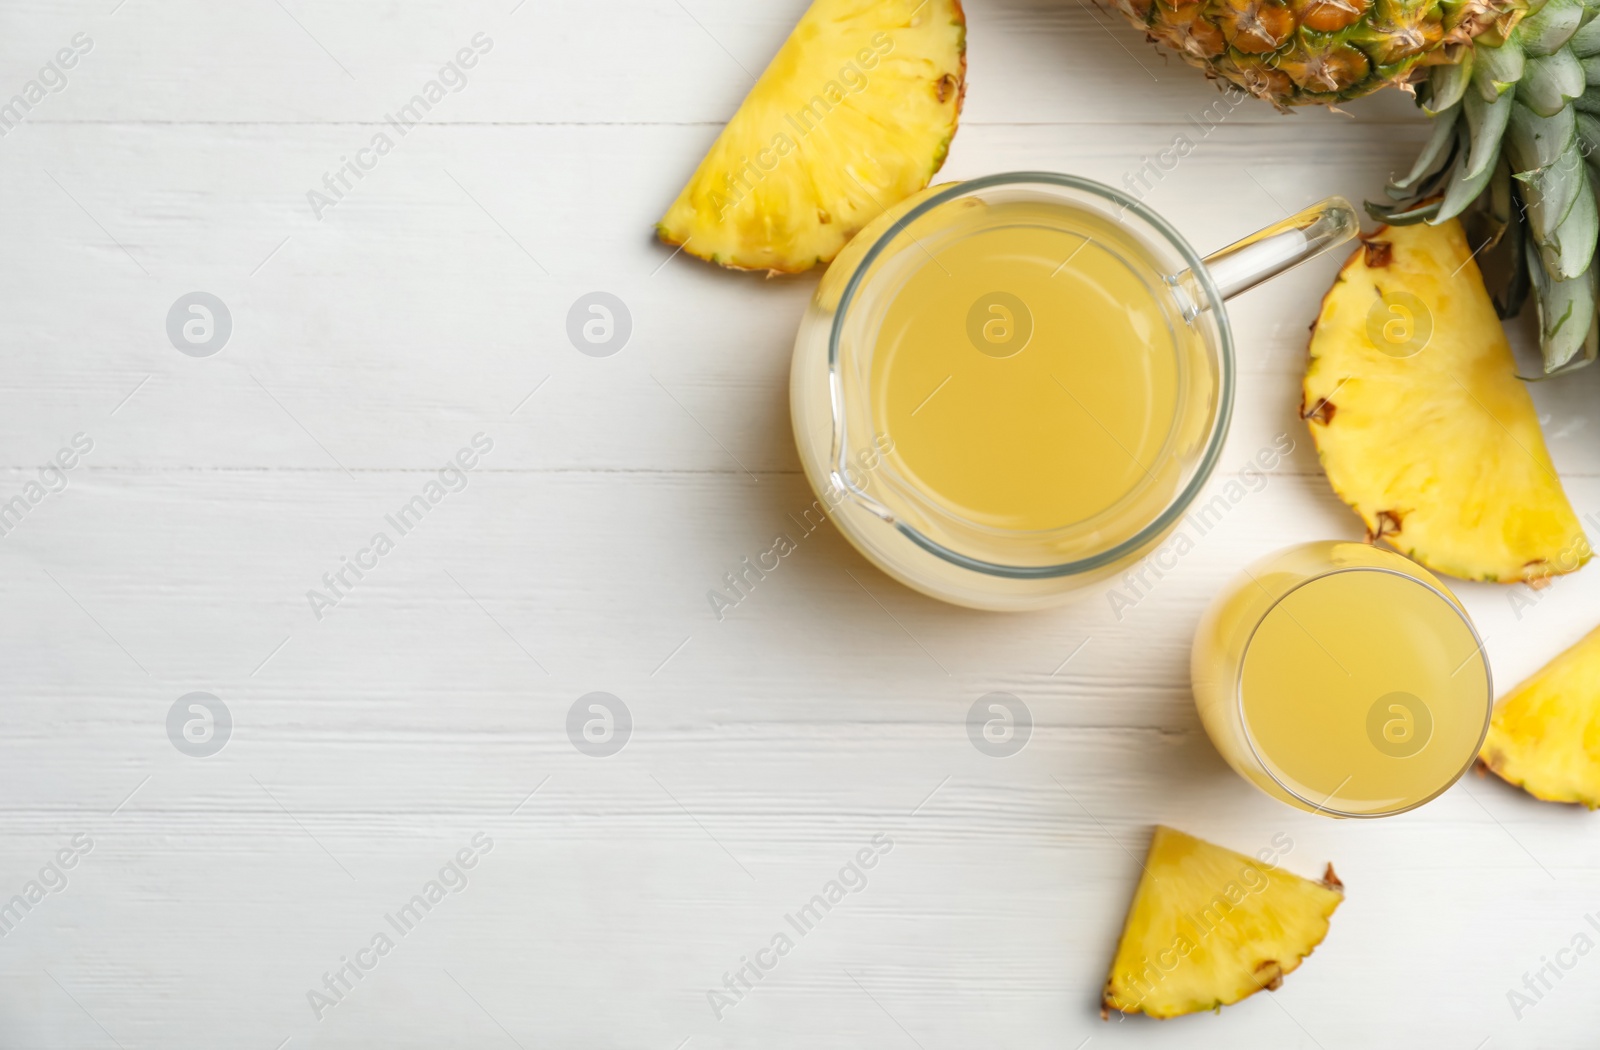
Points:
[[1209, 927], [854, 113]]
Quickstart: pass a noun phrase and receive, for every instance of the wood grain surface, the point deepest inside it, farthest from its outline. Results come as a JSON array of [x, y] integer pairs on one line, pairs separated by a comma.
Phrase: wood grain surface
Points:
[[373, 739]]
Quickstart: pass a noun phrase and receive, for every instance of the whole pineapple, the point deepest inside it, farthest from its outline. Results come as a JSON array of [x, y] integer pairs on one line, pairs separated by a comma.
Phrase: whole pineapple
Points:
[[1515, 120], [1320, 51]]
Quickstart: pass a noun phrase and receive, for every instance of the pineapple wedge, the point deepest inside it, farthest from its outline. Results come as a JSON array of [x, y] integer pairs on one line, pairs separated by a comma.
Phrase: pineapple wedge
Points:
[[1545, 735], [854, 114], [1209, 927], [1420, 421]]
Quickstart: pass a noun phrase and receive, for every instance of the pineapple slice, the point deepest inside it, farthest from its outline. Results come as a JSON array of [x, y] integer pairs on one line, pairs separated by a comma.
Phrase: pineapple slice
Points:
[[1209, 927], [1545, 734], [854, 114], [1420, 421]]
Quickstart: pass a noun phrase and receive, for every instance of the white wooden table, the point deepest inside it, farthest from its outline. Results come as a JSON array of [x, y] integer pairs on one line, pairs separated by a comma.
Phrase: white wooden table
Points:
[[429, 704]]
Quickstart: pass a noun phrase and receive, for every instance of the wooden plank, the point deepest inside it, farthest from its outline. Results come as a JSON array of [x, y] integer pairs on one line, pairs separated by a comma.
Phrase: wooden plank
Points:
[[431, 702]]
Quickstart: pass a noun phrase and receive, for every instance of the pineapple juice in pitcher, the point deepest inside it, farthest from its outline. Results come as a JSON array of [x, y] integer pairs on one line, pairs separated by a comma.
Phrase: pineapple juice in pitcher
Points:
[[1009, 389], [1027, 377]]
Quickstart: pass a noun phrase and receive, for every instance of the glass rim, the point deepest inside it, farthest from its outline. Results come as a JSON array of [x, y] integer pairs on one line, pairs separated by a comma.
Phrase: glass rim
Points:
[[1323, 807], [1205, 465]]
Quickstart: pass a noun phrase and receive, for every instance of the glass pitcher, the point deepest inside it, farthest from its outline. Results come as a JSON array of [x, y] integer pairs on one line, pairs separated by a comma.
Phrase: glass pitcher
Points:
[[1015, 558]]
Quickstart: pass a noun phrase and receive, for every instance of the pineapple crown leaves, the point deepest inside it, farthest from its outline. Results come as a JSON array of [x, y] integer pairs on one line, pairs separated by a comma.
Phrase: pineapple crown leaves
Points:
[[1513, 87], [1510, 155]]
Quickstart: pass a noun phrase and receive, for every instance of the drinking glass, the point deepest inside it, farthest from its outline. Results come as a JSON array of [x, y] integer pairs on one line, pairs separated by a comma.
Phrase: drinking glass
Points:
[[1343, 679]]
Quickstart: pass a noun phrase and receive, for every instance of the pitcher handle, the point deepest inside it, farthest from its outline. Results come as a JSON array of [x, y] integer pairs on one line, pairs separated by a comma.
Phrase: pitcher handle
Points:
[[1264, 255]]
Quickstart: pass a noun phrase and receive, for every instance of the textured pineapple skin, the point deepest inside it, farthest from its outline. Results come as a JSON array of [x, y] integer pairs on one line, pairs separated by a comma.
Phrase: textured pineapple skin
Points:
[[1209, 927], [854, 114], [1439, 450], [1313, 52], [1545, 734]]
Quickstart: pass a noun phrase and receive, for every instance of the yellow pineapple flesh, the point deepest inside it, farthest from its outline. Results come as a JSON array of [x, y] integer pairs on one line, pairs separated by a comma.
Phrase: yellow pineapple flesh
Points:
[[1420, 421], [1209, 927], [1545, 735], [854, 114]]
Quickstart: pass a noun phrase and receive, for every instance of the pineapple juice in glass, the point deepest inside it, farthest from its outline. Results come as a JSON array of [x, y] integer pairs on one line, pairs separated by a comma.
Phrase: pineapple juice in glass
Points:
[[1010, 388], [1343, 679]]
